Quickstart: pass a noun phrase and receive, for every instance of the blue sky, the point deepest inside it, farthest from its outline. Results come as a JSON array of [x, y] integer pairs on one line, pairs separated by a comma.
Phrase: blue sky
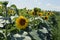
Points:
[[30, 4]]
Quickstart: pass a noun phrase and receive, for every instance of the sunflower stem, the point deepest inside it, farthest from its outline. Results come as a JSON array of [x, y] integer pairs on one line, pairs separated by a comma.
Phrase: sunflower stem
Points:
[[5, 21]]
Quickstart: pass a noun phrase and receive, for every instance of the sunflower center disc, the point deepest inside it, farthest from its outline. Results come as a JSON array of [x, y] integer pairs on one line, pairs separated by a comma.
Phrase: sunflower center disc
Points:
[[22, 22], [48, 13], [45, 17], [39, 14]]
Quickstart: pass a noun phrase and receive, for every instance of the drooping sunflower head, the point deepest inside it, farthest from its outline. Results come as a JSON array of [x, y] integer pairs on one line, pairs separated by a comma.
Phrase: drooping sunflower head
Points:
[[21, 22], [52, 13], [46, 17], [33, 13], [11, 12]]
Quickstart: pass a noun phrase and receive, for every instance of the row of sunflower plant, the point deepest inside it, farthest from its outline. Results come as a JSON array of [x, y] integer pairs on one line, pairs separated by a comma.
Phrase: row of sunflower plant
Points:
[[26, 24]]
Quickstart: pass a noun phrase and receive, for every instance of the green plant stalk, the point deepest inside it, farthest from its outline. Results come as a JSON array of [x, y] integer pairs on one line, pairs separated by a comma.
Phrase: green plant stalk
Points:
[[6, 32], [34, 22], [6, 23]]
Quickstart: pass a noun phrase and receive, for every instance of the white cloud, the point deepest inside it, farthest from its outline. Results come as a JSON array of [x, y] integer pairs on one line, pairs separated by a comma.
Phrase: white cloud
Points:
[[3, 0], [48, 4], [51, 6]]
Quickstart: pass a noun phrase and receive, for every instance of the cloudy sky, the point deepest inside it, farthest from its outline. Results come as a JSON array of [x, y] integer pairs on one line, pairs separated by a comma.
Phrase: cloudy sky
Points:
[[43, 4]]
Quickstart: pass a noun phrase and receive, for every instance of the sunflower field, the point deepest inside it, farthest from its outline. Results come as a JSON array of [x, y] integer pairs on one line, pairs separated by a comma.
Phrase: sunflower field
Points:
[[28, 24]]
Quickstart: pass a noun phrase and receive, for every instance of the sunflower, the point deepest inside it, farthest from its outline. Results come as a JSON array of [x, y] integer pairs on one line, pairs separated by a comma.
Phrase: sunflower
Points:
[[46, 17], [33, 13], [11, 12], [21, 22], [40, 14], [49, 13]]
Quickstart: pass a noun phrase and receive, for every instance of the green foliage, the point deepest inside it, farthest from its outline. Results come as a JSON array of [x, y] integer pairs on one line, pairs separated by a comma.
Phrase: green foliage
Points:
[[37, 29]]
